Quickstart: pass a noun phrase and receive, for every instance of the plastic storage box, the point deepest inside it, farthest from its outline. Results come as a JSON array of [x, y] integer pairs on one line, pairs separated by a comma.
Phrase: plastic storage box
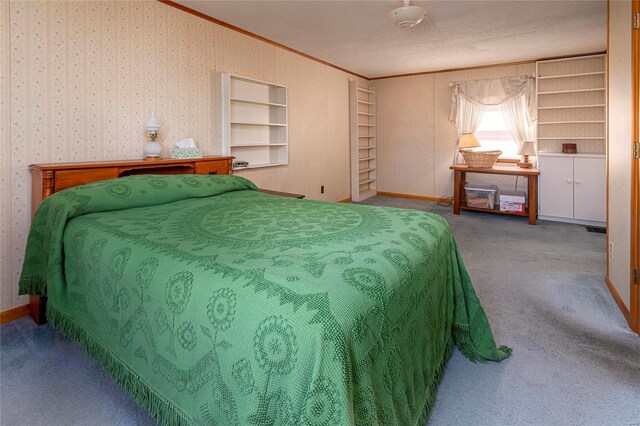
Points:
[[512, 201], [480, 196]]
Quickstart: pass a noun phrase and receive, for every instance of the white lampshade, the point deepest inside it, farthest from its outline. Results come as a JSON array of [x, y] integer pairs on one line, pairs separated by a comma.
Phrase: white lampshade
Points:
[[468, 140], [527, 148], [152, 123]]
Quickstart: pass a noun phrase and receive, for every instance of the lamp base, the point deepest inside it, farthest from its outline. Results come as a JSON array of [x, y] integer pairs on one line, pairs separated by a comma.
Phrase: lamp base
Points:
[[152, 159], [524, 165]]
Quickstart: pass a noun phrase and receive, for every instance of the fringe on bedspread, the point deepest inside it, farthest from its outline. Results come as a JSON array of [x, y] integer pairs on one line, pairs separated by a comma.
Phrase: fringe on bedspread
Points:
[[157, 405]]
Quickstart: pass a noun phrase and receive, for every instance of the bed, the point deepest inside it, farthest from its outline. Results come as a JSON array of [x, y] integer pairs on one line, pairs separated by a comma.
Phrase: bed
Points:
[[213, 303]]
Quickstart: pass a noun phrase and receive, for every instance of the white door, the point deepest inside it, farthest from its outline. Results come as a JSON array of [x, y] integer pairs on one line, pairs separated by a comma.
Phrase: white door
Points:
[[556, 186], [589, 195]]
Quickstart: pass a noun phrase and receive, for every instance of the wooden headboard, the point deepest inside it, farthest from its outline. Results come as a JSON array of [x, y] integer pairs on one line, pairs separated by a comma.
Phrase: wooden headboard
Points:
[[49, 178]]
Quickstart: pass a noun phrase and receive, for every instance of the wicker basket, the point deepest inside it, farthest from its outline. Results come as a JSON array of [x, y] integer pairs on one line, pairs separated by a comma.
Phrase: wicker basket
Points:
[[480, 159]]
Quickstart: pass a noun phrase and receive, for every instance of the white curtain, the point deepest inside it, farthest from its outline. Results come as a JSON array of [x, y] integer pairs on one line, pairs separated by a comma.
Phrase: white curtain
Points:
[[468, 118], [495, 91], [515, 95], [517, 120]]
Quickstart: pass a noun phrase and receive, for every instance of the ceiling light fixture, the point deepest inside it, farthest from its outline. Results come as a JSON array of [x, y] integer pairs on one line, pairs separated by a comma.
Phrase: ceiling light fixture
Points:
[[407, 16]]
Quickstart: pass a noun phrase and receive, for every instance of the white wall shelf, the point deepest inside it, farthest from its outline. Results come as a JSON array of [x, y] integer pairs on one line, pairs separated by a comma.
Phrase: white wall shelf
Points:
[[571, 97], [362, 121], [557, 92], [243, 145], [253, 101], [570, 122], [581, 74], [254, 121], [577, 138], [572, 108]]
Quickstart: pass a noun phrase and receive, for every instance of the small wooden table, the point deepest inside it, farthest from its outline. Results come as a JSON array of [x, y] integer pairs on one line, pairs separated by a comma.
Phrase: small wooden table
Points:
[[461, 170]]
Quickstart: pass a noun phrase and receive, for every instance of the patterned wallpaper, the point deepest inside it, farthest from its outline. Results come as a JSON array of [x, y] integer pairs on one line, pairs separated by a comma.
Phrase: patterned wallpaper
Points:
[[416, 140], [78, 79]]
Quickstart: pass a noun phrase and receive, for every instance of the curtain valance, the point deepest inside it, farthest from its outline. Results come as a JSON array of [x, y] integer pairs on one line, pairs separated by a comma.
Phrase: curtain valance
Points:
[[495, 91]]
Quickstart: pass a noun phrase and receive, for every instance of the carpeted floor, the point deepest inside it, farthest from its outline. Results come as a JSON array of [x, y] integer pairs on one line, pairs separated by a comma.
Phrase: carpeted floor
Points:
[[575, 361]]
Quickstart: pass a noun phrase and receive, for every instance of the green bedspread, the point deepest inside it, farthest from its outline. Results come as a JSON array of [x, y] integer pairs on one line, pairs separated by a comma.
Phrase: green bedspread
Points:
[[212, 303]]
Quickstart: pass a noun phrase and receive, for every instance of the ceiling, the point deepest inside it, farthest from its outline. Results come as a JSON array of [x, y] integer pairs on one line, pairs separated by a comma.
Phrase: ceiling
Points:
[[357, 35]]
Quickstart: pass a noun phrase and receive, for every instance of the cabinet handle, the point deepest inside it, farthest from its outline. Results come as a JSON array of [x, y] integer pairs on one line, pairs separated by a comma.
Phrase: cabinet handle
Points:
[[578, 182], [569, 181]]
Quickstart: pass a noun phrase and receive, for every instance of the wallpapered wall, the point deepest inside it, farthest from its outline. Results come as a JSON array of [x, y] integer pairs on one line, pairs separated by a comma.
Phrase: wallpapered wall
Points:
[[619, 158], [78, 79], [416, 140]]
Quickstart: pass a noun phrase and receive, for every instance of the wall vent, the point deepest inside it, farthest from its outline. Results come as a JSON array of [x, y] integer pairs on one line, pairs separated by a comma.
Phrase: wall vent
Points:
[[596, 229]]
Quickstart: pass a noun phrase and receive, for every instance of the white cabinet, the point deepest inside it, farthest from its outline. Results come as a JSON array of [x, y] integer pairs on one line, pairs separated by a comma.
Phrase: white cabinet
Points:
[[589, 189], [573, 188]]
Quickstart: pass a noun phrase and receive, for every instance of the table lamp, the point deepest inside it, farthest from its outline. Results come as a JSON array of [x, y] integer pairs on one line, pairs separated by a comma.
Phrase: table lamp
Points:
[[468, 141], [152, 149], [526, 149]]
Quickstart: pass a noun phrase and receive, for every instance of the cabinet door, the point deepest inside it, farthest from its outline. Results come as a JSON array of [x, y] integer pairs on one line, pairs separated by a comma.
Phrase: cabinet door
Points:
[[589, 175], [556, 186]]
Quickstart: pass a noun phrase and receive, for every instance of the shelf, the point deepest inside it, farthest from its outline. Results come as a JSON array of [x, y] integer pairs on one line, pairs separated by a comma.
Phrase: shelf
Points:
[[367, 125], [366, 159], [362, 182], [254, 121], [571, 138], [581, 74], [243, 145], [556, 92], [365, 113], [251, 101], [361, 89], [571, 122], [368, 169], [371, 136], [255, 166], [577, 154], [572, 106], [496, 209], [365, 102], [249, 123], [367, 147]]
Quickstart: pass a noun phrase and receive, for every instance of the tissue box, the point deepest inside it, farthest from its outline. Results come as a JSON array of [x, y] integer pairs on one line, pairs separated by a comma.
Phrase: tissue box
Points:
[[512, 201], [185, 153]]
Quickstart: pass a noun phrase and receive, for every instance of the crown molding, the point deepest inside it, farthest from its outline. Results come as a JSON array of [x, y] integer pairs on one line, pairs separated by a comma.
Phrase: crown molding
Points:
[[255, 36]]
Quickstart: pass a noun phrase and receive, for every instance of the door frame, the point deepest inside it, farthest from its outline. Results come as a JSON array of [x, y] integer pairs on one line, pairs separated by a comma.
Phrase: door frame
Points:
[[634, 319]]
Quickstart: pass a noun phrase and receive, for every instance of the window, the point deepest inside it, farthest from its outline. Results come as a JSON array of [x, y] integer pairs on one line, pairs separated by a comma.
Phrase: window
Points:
[[493, 134]]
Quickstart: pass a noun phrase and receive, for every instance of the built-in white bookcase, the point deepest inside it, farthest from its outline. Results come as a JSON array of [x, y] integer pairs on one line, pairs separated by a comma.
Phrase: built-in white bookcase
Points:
[[254, 121], [362, 110], [572, 103]]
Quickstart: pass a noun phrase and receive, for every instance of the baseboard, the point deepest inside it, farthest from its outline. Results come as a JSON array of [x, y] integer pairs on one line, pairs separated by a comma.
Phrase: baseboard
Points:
[[13, 314], [574, 221], [618, 299], [346, 200], [416, 197]]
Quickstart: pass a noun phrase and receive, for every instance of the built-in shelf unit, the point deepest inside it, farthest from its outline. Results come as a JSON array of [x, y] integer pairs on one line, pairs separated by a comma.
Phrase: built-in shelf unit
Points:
[[362, 110], [571, 96], [254, 121]]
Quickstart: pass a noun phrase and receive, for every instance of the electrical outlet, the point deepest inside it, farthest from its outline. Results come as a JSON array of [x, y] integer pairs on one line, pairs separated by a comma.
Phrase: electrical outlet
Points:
[[322, 189], [611, 247]]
